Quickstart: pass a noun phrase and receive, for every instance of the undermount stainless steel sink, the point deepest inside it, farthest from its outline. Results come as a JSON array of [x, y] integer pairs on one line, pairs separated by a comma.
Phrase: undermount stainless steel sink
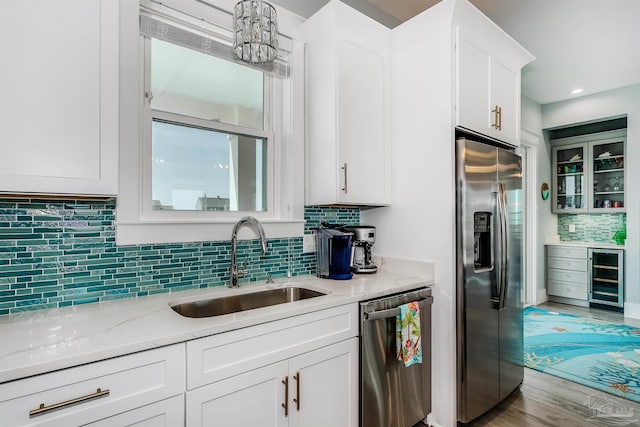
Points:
[[248, 301]]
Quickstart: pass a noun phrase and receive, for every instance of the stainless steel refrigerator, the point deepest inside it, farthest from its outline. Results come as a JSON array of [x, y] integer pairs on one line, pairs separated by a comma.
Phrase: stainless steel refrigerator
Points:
[[489, 228]]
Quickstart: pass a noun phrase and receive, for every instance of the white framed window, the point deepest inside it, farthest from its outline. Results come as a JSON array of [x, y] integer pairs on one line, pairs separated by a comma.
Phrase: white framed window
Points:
[[207, 126], [217, 139]]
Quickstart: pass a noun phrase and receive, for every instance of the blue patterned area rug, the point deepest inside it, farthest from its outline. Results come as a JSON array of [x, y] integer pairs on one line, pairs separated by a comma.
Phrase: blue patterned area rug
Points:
[[598, 354]]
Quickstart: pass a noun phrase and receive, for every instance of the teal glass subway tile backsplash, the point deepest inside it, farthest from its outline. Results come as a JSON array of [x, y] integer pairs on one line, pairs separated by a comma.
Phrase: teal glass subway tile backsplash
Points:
[[316, 215], [56, 253], [591, 228]]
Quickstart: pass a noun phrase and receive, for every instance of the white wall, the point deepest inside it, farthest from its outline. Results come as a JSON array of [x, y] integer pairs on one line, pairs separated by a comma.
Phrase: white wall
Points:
[[546, 222], [531, 116], [613, 103]]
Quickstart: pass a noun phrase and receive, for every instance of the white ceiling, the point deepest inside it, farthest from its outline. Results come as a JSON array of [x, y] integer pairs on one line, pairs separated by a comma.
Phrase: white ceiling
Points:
[[591, 44]]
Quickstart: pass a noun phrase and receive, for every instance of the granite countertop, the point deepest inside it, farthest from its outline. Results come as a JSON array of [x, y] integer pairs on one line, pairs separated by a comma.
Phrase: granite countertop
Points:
[[46, 340], [599, 245]]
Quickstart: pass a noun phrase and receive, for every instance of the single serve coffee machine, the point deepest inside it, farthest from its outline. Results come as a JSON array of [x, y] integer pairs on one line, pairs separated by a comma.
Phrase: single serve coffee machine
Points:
[[364, 236], [333, 252]]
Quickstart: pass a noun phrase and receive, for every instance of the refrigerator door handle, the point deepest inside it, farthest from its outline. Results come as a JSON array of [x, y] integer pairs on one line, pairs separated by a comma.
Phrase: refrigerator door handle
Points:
[[496, 245], [504, 246]]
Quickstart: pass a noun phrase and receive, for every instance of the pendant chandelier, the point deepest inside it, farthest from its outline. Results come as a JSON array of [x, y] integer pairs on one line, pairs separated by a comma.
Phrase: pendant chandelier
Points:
[[255, 27]]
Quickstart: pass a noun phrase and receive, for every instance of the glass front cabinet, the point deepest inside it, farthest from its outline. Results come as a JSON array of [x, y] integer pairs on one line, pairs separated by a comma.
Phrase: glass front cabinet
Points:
[[589, 173], [569, 178], [607, 159]]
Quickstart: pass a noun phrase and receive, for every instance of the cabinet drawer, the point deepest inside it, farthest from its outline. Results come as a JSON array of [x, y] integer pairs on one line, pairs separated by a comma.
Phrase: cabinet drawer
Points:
[[579, 277], [222, 356], [568, 290], [132, 381], [567, 252], [567, 264], [166, 413]]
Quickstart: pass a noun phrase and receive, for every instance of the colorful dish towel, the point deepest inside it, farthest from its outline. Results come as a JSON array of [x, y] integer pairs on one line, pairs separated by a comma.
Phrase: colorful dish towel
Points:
[[408, 334]]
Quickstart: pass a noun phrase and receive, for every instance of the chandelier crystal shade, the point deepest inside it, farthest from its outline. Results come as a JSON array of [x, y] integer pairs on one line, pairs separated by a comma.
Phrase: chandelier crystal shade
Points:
[[255, 27]]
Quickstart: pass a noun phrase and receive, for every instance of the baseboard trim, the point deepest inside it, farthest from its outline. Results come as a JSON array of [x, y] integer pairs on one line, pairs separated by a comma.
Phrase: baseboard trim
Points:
[[571, 301], [430, 422], [541, 296], [632, 310]]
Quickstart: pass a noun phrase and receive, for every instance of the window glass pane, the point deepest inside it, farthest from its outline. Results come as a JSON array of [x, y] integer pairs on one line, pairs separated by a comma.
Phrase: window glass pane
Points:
[[187, 82], [202, 169]]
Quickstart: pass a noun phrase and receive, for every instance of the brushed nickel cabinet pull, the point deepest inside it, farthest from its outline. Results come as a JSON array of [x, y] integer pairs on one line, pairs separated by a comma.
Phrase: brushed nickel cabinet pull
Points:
[[496, 117], [499, 118], [344, 168], [285, 405], [43, 409], [297, 398]]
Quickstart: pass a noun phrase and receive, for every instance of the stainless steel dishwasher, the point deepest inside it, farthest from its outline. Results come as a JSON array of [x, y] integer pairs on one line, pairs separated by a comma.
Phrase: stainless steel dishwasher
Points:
[[392, 395]]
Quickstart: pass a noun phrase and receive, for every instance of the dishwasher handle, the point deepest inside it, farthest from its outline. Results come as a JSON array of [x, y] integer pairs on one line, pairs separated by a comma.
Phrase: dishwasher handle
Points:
[[391, 312]]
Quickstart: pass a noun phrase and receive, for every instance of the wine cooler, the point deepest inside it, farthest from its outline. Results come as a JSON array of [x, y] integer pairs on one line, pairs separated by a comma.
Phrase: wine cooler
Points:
[[606, 279]]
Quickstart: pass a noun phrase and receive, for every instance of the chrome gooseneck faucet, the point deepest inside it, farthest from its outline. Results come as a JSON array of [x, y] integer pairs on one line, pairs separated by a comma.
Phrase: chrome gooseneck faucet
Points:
[[257, 227]]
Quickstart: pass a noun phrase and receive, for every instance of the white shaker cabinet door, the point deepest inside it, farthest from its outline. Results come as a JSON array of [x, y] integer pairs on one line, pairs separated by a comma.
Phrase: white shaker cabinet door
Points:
[[251, 399], [363, 155], [505, 93], [324, 391], [473, 76], [488, 84], [59, 103]]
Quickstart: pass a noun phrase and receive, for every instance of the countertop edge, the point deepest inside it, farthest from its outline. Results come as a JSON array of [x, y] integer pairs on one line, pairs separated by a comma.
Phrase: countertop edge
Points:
[[595, 245]]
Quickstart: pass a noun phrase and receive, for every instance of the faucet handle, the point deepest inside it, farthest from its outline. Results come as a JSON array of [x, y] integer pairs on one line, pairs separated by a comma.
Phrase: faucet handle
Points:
[[270, 279]]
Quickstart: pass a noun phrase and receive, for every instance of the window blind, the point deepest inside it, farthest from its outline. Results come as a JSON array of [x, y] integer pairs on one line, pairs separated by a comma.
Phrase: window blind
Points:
[[164, 29]]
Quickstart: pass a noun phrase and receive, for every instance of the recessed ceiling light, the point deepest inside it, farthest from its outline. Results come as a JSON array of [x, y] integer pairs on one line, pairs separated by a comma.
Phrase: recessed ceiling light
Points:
[[577, 91]]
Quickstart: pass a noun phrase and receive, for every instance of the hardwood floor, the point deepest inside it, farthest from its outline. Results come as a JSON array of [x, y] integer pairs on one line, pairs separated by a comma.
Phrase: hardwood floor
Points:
[[545, 400], [606, 315]]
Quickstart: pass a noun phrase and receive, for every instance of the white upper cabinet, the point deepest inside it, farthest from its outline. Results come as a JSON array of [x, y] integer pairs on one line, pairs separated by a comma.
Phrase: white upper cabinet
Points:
[[59, 103], [348, 81], [488, 64]]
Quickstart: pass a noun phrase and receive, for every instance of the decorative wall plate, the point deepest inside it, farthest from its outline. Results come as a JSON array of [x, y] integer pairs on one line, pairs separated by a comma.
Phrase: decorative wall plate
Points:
[[544, 191]]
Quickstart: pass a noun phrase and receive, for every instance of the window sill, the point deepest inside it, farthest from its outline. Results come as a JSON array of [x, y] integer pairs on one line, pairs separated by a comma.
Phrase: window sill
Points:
[[158, 232]]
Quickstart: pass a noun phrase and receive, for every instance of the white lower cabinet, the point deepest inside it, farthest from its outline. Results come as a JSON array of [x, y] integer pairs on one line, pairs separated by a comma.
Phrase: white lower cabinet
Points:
[[318, 388], [111, 392], [299, 371], [325, 387]]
